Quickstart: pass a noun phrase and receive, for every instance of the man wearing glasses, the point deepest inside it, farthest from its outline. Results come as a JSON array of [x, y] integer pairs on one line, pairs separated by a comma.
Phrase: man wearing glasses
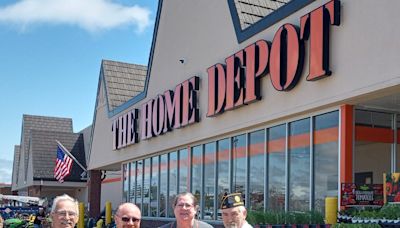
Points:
[[185, 207], [127, 215], [64, 212]]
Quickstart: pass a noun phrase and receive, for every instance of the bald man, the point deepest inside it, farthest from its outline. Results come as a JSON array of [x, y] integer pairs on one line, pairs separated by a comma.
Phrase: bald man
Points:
[[127, 215]]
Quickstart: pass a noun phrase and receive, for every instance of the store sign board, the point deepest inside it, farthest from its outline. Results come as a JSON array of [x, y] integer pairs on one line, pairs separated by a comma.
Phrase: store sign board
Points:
[[165, 112], [361, 195], [124, 129], [237, 81], [171, 110]]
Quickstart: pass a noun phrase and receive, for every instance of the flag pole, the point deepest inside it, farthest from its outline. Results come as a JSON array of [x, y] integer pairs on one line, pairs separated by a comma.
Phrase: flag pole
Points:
[[72, 156]]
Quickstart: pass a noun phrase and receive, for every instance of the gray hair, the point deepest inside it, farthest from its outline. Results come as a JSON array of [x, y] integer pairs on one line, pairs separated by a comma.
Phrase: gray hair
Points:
[[64, 198]]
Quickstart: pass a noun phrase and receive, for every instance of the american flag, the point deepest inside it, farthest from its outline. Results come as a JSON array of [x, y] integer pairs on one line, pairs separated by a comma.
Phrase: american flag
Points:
[[63, 165]]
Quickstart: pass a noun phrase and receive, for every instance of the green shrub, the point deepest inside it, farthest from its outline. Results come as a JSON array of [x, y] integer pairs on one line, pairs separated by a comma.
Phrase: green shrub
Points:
[[281, 217], [390, 211]]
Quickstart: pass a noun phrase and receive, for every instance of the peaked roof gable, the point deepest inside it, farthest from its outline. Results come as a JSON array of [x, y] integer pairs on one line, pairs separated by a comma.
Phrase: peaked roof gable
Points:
[[44, 147], [33, 122], [122, 81], [250, 17]]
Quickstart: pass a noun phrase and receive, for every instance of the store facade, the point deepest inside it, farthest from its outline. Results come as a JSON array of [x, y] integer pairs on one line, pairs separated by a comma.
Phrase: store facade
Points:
[[282, 111]]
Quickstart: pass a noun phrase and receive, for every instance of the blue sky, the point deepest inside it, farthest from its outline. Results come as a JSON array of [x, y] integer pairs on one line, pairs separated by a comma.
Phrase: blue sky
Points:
[[50, 56]]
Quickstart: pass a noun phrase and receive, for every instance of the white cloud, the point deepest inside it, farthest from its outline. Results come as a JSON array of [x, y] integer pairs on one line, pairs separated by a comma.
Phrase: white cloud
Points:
[[91, 15], [5, 170]]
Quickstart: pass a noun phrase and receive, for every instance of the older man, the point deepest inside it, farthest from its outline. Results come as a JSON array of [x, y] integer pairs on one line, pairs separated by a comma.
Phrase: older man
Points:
[[233, 211], [64, 212], [127, 215]]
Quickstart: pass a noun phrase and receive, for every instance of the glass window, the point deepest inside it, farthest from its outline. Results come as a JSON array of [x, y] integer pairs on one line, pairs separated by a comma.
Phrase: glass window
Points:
[[209, 177], [299, 161], [163, 184], [256, 170], [173, 181], [239, 163], [184, 170], [276, 167], [223, 169], [146, 187], [326, 152], [398, 144], [154, 187], [197, 162], [373, 119], [125, 184], [132, 192], [139, 183], [374, 138]]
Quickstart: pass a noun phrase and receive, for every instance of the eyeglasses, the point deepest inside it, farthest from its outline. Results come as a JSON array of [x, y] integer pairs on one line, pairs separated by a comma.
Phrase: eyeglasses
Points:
[[187, 205], [65, 213], [128, 219]]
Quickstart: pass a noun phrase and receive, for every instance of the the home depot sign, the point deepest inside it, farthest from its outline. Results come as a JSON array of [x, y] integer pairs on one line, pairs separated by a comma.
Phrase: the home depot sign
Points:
[[237, 81]]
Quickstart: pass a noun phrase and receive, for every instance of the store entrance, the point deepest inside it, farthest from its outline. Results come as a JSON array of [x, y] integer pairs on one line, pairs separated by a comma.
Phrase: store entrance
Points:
[[375, 146]]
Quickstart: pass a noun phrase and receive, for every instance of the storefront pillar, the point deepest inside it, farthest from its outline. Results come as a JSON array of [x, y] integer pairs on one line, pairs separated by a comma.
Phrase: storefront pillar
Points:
[[346, 143], [94, 189]]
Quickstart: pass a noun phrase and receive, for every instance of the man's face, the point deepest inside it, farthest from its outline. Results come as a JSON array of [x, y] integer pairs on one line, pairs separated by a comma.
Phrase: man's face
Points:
[[65, 215], [184, 209], [234, 217], [127, 216]]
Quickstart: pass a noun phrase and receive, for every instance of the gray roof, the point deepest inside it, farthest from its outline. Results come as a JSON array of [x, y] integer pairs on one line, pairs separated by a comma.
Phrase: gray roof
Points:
[[30, 122], [123, 81], [17, 154], [251, 11], [44, 153]]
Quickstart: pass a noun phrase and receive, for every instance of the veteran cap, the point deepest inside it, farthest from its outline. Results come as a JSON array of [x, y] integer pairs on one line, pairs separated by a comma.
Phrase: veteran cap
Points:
[[232, 200]]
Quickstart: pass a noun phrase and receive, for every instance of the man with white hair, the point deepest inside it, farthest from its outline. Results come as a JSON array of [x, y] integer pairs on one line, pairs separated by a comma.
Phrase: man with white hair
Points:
[[233, 211], [64, 212]]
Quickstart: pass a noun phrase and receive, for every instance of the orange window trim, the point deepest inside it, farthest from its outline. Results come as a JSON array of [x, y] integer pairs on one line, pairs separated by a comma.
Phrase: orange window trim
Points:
[[111, 180], [371, 134]]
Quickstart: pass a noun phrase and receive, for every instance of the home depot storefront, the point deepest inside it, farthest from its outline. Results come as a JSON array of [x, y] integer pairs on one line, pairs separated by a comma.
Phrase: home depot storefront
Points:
[[283, 115]]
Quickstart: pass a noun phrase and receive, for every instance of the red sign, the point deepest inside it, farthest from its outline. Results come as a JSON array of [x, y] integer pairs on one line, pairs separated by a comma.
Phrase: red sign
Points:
[[361, 195], [173, 109], [237, 82]]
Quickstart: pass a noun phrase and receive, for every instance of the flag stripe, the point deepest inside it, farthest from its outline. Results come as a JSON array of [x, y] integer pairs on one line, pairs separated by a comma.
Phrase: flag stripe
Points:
[[63, 165]]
